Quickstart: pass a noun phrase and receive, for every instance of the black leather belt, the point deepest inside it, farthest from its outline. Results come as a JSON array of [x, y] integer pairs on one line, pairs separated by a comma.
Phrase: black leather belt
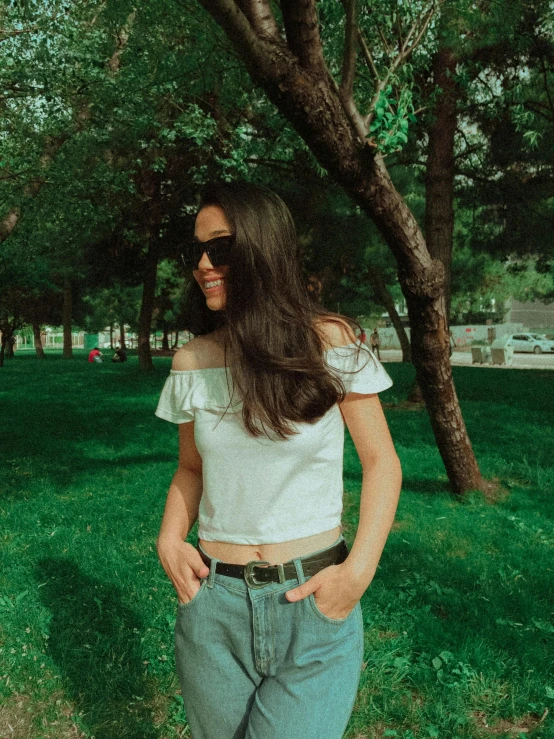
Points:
[[258, 573]]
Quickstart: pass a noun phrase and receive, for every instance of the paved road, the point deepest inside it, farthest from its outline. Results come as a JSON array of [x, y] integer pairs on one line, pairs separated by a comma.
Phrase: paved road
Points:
[[520, 360]]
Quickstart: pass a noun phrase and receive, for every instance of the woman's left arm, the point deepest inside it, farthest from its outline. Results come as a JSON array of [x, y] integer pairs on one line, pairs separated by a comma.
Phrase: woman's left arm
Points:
[[338, 588]]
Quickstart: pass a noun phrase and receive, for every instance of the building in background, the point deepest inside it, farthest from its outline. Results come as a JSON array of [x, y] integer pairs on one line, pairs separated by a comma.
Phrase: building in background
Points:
[[534, 315]]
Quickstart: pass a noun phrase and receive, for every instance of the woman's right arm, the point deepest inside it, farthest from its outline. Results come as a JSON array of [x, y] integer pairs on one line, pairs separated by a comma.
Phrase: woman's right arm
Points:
[[181, 560]]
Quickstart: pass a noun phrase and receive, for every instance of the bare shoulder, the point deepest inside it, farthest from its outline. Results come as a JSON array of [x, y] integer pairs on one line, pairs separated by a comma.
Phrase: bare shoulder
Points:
[[202, 352], [335, 332], [189, 356]]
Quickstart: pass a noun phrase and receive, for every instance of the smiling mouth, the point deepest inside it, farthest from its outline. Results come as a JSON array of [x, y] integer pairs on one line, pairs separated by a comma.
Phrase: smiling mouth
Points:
[[213, 286]]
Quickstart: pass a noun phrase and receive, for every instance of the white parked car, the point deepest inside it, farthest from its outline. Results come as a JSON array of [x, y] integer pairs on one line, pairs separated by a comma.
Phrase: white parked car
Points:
[[534, 343]]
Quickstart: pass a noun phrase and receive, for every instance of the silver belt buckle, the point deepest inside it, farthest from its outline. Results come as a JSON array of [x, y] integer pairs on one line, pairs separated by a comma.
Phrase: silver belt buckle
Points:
[[249, 573]]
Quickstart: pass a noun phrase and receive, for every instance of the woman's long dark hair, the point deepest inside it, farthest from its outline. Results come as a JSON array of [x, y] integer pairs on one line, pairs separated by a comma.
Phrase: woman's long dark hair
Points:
[[272, 347]]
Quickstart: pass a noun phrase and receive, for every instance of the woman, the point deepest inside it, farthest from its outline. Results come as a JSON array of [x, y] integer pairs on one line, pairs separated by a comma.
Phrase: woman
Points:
[[269, 632]]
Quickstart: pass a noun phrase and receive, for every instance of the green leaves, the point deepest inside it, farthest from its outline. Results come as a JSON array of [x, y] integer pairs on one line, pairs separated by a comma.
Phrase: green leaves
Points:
[[392, 117], [196, 125], [532, 139]]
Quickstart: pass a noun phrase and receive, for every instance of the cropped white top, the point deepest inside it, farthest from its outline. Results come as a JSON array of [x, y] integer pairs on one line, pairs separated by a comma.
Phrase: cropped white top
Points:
[[266, 490]]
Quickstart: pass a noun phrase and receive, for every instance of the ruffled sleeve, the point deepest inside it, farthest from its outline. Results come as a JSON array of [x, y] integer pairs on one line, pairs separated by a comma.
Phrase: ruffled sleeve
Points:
[[358, 368], [185, 392]]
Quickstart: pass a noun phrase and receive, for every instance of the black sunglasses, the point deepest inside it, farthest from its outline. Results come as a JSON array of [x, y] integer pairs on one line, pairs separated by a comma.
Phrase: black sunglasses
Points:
[[218, 251]]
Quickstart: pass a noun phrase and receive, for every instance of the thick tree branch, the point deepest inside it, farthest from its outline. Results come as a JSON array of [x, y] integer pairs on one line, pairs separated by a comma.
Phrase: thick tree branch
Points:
[[261, 18], [353, 114], [345, 91], [349, 56], [302, 29], [239, 30]]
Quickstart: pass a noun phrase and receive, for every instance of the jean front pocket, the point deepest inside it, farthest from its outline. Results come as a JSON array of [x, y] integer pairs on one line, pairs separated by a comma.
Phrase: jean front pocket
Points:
[[327, 619], [188, 604]]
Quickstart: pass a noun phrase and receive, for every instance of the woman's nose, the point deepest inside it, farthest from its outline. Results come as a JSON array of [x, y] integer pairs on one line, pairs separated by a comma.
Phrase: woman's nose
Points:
[[204, 262]]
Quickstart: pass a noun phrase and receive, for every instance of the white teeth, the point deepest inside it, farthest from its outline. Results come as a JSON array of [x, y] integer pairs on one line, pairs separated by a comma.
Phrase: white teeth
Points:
[[213, 284]]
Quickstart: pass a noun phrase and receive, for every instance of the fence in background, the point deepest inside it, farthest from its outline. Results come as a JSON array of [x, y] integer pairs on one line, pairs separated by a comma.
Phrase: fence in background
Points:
[[463, 335]]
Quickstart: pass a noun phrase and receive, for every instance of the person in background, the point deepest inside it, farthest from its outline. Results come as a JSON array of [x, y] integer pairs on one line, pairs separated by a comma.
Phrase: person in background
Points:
[[376, 342], [95, 355], [120, 355], [269, 639]]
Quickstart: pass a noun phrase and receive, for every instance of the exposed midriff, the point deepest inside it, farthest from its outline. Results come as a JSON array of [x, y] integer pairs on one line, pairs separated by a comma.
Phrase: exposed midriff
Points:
[[241, 554]]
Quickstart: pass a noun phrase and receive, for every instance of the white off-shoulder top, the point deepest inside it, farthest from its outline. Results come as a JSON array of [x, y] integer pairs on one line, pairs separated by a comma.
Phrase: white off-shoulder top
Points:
[[266, 490]]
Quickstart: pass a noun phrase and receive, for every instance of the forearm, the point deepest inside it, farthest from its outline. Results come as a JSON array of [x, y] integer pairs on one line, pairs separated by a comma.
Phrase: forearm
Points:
[[338, 589], [180, 560], [381, 483], [181, 507]]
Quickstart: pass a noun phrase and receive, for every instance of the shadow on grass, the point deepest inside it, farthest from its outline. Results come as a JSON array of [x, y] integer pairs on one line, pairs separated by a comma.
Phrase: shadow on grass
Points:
[[95, 643], [74, 420], [18, 474]]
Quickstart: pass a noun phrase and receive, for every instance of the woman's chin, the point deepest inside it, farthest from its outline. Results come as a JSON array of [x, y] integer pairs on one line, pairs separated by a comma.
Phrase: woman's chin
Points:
[[215, 303]]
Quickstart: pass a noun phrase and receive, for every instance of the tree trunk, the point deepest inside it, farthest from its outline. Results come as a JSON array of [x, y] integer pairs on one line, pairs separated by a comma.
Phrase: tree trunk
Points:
[[39, 349], [9, 347], [67, 317], [111, 336], [439, 174], [122, 335], [165, 338], [385, 298], [175, 344], [415, 395], [293, 74], [147, 308], [6, 342]]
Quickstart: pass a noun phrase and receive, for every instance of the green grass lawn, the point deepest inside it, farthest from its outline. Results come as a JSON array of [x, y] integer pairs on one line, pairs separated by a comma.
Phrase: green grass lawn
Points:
[[459, 619]]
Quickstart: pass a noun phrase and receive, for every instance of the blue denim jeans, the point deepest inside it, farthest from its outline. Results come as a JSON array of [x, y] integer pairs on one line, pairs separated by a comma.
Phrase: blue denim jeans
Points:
[[254, 666]]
